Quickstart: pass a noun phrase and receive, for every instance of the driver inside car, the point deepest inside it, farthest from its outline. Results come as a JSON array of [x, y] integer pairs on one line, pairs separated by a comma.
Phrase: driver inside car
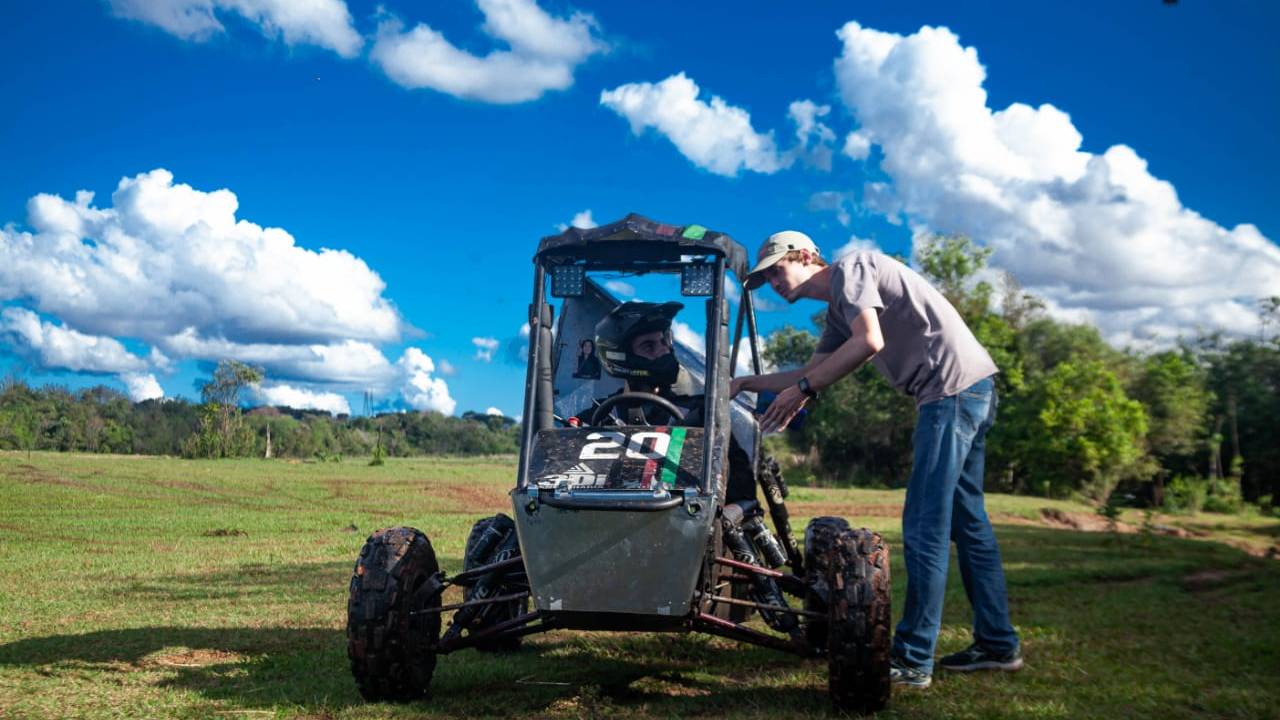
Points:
[[635, 345]]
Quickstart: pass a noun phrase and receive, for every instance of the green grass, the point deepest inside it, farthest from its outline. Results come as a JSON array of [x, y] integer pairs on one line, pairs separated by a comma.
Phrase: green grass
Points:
[[152, 587]]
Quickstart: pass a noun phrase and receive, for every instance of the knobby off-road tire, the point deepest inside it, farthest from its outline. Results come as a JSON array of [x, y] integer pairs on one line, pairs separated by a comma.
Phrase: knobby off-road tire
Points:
[[392, 649], [502, 612], [819, 537], [858, 643]]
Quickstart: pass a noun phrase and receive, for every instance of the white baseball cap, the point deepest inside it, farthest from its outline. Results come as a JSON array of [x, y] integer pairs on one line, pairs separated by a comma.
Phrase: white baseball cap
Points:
[[774, 249]]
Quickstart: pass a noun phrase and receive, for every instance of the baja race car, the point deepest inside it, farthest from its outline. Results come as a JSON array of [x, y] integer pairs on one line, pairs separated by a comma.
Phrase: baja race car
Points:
[[621, 524]]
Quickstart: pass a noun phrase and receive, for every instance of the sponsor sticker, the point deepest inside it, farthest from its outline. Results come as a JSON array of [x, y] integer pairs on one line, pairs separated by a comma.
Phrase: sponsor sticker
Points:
[[580, 475]]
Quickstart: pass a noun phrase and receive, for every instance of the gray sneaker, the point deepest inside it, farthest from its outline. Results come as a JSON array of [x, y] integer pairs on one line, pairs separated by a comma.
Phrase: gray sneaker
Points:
[[903, 674], [975, 657]]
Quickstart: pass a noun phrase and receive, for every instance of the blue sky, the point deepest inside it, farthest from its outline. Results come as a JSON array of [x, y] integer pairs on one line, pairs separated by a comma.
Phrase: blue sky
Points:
[[431, 144]]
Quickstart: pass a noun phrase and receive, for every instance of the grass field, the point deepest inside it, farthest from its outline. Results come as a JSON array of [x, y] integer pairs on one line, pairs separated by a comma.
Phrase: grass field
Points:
[[154, 587]]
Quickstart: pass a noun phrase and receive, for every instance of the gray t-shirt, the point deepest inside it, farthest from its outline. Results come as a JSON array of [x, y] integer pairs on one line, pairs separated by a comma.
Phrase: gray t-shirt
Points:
[[929, 353]]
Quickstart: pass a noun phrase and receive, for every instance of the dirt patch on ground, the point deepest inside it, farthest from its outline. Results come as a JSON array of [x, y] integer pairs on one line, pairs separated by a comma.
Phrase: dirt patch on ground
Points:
[[470, 498], [1089, 522], [1207, 579], [193, 658], [1082, 521], [33, 474]]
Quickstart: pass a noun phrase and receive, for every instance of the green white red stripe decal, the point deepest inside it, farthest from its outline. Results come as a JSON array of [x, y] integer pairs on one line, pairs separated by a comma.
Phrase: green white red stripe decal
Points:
[[672, 462]]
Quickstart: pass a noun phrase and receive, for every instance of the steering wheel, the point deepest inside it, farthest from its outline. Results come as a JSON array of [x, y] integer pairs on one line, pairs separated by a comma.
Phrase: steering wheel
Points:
[[634, 398]]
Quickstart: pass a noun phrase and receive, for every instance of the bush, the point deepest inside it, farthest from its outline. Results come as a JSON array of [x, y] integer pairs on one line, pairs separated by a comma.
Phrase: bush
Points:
[[1185, 494], [1224, 497], [1265, 506]]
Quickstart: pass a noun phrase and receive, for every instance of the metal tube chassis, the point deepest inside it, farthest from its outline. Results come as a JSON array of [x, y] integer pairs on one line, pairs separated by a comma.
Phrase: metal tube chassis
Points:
[[699, 618]]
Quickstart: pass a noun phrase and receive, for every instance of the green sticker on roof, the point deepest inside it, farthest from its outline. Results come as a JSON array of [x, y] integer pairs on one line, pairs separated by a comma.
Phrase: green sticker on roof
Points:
[[695, 232]]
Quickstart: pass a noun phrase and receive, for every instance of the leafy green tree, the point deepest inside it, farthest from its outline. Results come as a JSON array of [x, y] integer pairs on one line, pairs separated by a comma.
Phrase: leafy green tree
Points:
[[861, 428], [952, 263], [788, 347], [1086, 433], [222, 432], [1244, 417], [1174, 390]]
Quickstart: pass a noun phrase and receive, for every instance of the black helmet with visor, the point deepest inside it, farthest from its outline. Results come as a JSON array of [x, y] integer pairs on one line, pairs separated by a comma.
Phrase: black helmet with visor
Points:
[[616, 331]]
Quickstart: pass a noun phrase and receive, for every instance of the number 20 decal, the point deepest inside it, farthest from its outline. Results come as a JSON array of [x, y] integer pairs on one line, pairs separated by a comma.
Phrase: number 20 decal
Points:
[[607, 445]]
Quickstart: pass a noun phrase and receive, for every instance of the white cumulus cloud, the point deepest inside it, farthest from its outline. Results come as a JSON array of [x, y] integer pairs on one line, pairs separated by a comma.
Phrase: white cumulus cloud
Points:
[[142, 386], [494, 411], [349, 362], [544, 51], [172, 266], [685, 335], [813, 138], [325, 23], [582, 220], [857, 145], [485, 347], [714, 135], [1097, 235], [620, 288], [855, 244], [422, 390], [833, 201], [58, 347], [166, 257], [302, 398]]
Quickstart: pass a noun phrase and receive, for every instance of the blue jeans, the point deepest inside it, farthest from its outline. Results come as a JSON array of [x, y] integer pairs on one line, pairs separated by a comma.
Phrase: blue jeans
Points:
[[945, 503]]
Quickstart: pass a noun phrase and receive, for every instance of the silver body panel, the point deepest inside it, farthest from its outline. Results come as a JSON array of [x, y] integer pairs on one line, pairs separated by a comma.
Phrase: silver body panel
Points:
[[596, 561]]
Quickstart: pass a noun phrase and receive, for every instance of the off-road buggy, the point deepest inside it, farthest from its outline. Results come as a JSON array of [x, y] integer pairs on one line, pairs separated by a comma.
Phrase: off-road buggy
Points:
[[625, 527]]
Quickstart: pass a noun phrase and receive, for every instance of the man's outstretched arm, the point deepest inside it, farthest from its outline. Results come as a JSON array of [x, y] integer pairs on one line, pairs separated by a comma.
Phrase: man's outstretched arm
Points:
[[774, 382], [865, 340]]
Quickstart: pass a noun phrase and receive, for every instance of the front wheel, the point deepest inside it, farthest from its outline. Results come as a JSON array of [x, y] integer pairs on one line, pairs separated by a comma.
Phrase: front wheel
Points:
[[819, 537], [390, 640], [859, 632]]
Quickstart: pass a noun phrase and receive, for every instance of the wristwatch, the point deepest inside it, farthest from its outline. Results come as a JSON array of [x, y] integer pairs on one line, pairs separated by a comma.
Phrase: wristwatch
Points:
[[806, 388]]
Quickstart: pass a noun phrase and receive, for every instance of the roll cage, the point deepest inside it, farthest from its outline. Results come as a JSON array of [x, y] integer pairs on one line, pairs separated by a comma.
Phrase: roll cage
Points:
[[637, 244]]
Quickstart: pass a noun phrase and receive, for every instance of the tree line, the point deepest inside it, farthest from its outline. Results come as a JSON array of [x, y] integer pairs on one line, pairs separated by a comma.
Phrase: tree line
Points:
[[1190, 426], [102, 420]]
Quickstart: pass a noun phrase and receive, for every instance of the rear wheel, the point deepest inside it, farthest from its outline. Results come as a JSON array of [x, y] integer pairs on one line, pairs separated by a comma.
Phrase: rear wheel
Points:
[[858, 643], [819, 536], [481, 550], [390, 642]]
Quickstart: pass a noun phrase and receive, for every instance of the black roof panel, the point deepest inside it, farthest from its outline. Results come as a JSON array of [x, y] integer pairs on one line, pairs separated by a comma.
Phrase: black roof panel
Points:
[[668, 241]]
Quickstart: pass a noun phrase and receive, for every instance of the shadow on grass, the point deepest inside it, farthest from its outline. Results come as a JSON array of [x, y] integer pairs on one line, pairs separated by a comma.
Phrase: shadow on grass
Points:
[[259, 668], [245, 582], [306, 667]]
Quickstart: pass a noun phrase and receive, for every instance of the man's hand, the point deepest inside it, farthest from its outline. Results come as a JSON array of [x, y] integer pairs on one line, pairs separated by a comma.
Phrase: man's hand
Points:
[[737, 385], [783, 409]]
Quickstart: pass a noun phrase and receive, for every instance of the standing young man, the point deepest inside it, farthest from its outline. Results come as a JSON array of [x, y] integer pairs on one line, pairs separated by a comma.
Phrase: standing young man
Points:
[[880, 310]]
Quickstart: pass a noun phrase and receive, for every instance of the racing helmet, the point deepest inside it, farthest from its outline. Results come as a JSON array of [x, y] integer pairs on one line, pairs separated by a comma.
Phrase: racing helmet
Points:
[[623, 324]]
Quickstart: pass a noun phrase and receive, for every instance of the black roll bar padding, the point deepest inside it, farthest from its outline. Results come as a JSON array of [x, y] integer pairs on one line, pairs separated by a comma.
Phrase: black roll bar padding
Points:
[[545, 407], [715, 371], [647, 504], [530, 387], [757, 440], [737, 341], [750, 307]]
